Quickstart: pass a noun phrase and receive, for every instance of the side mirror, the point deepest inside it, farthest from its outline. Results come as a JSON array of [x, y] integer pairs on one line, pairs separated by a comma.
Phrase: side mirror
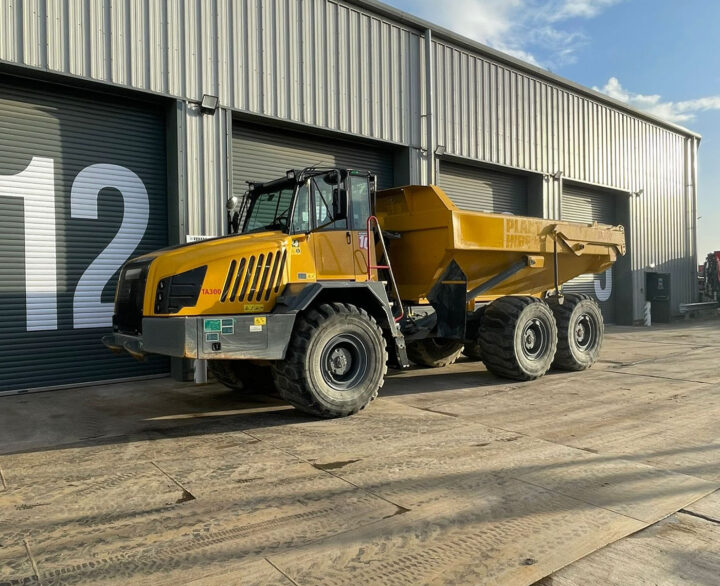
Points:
[[340, 204], [232, 203], [233, 217]]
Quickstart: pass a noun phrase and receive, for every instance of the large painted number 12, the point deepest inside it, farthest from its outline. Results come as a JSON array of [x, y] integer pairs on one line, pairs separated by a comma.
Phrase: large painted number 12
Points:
[[88, 310], [36, 186]]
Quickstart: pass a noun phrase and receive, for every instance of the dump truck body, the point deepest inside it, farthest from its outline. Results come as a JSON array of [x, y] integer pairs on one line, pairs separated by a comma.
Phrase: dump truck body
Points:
[[435, 232], [311, 298]]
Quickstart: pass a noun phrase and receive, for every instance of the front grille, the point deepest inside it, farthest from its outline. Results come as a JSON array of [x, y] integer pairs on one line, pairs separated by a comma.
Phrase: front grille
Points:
[[181, 290], [254, 278], [129, 299]]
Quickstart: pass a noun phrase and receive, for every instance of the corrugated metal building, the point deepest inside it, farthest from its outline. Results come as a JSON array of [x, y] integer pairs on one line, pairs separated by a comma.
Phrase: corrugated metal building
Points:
[[105, 151]]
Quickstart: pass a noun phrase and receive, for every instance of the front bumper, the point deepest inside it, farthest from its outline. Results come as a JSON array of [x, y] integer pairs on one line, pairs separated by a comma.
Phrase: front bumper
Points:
[[249, 337]]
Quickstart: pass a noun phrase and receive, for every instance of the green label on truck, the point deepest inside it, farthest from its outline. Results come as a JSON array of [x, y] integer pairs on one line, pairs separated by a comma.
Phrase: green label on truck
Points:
[[212, 325]]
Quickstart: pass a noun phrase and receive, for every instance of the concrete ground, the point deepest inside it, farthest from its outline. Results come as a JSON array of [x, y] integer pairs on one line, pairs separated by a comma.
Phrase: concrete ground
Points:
[[452, 476]]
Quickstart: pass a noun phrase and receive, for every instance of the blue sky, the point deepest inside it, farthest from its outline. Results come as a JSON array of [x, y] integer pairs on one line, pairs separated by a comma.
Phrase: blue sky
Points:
[[658, 55]]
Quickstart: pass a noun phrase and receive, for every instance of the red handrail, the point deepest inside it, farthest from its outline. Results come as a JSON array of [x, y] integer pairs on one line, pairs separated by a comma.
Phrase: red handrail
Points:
[[388, 266]]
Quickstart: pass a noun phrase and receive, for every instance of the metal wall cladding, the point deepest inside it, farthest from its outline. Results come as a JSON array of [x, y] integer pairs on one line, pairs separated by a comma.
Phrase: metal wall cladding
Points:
[[488, 111], [262, 154], [316, 62], [82, 189], [204, 167]]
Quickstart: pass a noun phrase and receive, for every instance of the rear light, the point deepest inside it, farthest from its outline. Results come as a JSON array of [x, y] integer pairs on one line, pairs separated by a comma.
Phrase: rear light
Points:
[[182, 290]]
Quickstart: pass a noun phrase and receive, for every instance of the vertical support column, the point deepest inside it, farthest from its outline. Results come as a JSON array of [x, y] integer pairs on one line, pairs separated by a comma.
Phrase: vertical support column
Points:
[[228, 170], [692, 204], [176, 172], [176, 144], [430, 107]]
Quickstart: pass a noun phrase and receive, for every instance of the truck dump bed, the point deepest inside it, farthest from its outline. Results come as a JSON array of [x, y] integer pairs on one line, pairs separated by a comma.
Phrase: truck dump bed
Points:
[[434, 232]]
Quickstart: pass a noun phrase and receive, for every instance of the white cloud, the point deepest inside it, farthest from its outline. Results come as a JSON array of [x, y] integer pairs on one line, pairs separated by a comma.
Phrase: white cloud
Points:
[[533, 30], [683, 111], [567, 9]]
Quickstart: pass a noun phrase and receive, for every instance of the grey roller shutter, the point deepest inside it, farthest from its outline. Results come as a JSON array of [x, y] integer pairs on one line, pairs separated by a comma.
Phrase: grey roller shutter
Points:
[[82, 187], [581, 204], [261, 154], [483, 190]]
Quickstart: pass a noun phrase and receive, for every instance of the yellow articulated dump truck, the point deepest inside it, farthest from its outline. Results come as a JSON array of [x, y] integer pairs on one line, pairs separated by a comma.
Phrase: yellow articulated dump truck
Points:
[[325, 281]]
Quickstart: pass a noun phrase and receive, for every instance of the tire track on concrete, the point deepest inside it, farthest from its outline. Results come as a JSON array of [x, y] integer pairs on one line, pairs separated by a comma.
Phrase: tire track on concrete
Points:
[[148, 560]]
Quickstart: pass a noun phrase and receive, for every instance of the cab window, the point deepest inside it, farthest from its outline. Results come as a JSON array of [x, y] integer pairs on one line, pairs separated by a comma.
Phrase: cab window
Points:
[[269, 210], [322, 191], [301, 215], [359, 202]]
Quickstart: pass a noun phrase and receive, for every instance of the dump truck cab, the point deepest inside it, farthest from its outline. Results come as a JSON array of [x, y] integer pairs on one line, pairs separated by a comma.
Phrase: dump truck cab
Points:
[[301, 295], [326, 209]]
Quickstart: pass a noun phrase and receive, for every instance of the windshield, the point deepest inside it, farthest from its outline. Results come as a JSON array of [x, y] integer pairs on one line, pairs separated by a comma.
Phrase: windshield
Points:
[[270, 210]]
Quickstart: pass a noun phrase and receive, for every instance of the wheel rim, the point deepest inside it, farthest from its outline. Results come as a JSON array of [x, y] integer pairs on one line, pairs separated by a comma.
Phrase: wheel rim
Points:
[[344, 362], [535, 339], [585, 332]]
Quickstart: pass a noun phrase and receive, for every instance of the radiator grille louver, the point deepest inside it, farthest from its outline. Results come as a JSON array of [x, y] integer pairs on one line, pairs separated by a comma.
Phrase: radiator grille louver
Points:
[[228, 281], [238, 279], [248, 275], [280, 272], [256, 277]]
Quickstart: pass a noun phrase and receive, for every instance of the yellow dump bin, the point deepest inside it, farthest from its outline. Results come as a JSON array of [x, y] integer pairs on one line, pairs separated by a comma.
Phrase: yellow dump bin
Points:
[[434, 232]]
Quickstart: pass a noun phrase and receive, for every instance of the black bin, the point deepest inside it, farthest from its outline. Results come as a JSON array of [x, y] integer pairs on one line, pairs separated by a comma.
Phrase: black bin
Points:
[[657, 292]]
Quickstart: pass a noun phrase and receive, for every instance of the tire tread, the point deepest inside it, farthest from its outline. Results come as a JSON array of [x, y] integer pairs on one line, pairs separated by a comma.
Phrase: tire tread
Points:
[[291, 376]]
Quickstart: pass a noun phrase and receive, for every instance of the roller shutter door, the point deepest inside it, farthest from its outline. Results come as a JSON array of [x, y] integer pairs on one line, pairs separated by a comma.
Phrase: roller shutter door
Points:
[[585, 205], [483, 190], [82, 188], [262, 154]]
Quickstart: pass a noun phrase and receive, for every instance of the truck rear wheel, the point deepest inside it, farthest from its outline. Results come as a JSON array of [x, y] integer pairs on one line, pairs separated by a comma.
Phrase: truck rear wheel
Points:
[[242, 375], [434, 352], [580, 331], [336, 361], [518, 337]]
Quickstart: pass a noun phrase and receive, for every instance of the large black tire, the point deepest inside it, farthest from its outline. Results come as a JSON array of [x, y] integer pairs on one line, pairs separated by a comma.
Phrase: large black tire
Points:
[[242, 375], [336, 361], [518, 337], [580, 331], [434, 352]]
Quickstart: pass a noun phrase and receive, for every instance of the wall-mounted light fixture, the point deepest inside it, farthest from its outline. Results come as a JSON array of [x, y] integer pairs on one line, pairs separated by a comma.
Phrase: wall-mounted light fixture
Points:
[[208, 104], [440, 150], [638, 193], [557, 175]]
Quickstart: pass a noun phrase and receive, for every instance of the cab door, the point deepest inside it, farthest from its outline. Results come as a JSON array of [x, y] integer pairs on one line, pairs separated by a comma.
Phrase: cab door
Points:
[[359, 192], [332, 241]]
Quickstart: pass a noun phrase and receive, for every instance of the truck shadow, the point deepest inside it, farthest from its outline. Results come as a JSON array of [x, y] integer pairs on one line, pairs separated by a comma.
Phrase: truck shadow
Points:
[[163, 408]]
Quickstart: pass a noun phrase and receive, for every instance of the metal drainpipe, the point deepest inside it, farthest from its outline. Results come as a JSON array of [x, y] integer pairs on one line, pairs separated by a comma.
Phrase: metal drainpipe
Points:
[[559, 196], [430, 107], [693, 219]]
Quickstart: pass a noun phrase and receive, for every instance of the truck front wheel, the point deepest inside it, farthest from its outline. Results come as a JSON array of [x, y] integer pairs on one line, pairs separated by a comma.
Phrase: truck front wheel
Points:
[[336, 361], [518, 337], [580, 331]]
